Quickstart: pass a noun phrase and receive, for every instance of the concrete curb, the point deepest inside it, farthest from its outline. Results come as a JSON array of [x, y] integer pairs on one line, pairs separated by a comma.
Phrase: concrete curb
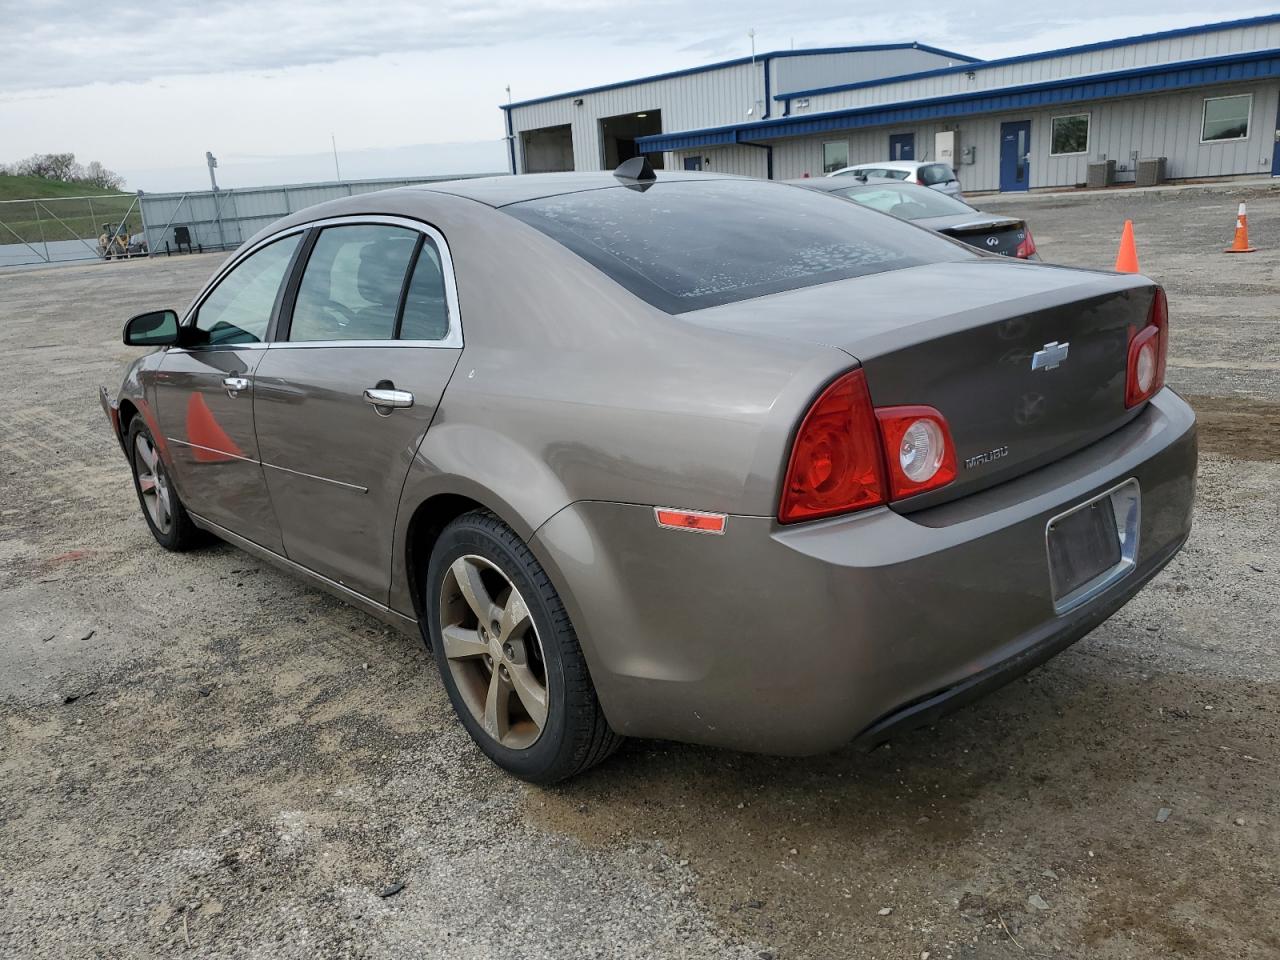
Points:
[[1215, 186]]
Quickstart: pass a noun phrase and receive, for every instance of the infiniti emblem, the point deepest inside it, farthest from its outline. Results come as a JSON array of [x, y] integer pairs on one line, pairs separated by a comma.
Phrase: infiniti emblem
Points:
[[1049, 356], [993, 241]]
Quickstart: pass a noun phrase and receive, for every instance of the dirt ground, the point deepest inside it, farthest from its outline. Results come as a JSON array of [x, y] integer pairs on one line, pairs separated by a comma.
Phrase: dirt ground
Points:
[[200, 757]]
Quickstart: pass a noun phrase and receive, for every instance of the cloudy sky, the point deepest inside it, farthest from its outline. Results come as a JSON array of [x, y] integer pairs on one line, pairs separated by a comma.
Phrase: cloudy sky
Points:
[[412, 86]]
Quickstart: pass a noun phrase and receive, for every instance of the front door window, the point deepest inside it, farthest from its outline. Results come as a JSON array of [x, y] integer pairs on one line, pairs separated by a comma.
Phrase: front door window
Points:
[[240, 306]]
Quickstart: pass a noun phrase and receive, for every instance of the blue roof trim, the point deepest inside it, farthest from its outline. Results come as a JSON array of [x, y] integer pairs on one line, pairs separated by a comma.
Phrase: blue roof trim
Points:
[[739, 61], [1028, 57], [1251, 65]]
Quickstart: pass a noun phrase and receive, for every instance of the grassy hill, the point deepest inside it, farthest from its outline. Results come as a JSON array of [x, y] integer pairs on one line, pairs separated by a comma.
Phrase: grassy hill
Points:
[[47, 212], [38, 188]]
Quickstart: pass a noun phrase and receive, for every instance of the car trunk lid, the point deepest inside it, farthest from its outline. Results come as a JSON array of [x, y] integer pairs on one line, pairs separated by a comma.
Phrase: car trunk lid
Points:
[[999, 235], [1027, 363]]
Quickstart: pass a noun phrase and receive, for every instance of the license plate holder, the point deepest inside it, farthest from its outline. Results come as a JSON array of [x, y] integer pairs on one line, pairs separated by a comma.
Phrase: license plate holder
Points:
[[1092, 545]]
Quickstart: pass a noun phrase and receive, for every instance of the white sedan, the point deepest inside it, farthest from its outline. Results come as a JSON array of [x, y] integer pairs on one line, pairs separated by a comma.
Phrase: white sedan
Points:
[[939, 176]]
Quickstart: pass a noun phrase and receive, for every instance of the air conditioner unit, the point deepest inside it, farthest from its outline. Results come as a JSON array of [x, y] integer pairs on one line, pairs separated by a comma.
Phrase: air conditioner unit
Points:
[[1151, 171], [1101, 174]]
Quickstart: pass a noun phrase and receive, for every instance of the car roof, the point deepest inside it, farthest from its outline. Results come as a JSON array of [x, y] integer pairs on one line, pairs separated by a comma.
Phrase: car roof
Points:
[[501, 191], [891, 165]]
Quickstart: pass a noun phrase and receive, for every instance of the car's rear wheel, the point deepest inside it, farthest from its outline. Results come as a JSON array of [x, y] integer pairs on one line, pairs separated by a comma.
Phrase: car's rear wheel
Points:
[[509, 656], [162, 509]]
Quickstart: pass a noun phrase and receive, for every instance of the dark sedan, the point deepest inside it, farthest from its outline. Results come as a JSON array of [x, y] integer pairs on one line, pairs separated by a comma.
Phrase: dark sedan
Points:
[[1006, 236]]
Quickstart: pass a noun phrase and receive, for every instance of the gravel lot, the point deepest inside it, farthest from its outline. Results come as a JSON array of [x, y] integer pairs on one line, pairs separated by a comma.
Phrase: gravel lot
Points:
[[200, 757]]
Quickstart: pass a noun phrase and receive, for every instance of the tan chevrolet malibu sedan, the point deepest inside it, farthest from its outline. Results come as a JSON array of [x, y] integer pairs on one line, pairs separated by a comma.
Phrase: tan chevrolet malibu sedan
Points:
[[683, 456]]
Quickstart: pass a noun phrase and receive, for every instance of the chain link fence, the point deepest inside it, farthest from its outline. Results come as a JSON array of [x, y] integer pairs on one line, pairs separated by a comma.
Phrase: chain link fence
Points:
[[63, 229]]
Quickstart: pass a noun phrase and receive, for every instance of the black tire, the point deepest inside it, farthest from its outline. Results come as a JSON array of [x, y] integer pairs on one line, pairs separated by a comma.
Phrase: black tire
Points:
[[182, 534], [576, 735]]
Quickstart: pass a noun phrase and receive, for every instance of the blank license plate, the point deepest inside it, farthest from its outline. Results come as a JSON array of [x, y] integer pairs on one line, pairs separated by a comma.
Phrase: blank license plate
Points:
[[1082, 545]]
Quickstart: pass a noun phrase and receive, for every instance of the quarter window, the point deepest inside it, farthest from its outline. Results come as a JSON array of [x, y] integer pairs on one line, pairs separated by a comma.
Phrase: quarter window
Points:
[[240, 306], [1070, 135], [835, 154], [426, 307], [351, 287], [1226, 118]]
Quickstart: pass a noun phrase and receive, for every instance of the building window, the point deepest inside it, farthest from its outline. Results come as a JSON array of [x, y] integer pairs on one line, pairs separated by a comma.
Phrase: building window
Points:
[[1226, 118], [835, 155], [1070, 135]]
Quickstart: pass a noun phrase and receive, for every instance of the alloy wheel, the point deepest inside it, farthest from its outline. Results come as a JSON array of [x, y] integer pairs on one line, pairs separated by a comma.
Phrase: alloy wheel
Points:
[[153, 483], [493, 651]]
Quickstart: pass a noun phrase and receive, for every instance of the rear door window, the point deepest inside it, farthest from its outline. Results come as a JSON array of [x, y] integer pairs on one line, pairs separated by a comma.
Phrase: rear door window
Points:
[[687, 245], [351, 286]]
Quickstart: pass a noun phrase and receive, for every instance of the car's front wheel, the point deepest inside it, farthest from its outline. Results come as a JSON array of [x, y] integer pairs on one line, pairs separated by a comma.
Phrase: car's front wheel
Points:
[[161, 508], [509, 656]]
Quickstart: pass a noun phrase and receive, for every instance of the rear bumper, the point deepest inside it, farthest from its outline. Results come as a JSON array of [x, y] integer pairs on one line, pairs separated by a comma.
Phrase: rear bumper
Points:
[[799, 639]]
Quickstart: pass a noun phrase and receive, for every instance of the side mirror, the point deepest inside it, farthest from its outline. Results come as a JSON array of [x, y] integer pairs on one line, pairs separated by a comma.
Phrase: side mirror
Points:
[[159, 328]]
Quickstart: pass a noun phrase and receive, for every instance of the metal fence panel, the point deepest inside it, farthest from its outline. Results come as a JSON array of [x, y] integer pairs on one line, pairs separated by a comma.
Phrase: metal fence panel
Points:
[[224, 220]]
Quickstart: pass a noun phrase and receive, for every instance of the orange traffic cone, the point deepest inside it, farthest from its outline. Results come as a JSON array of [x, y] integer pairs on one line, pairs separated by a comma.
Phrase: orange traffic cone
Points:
[[211, 442], [1127, 258], [1241, 243]]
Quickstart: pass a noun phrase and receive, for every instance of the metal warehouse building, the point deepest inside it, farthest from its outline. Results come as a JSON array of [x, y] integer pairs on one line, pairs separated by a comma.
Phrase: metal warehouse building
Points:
[[1206, 99]]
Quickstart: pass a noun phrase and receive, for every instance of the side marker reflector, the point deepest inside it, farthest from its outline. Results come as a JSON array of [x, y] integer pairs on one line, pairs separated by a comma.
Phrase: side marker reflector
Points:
[[693, 520]]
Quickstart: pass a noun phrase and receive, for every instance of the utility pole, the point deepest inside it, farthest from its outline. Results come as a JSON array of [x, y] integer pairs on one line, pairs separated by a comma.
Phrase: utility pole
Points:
[[511, 136], [212, 161], [336, 168]]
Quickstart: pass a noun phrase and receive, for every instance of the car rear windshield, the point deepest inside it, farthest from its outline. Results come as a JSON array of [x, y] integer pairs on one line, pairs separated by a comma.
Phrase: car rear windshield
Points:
[[906, 200], [687, 245], [935, 173]]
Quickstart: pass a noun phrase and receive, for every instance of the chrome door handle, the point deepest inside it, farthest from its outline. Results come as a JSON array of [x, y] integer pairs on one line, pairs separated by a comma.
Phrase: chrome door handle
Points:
[[235, 384], [388, 398]]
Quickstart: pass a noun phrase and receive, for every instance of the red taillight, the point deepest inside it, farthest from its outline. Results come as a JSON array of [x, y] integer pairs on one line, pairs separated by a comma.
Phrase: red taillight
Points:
[[848, 455], [918, 449], [1027, 246], [1148, 353], [836, 465]]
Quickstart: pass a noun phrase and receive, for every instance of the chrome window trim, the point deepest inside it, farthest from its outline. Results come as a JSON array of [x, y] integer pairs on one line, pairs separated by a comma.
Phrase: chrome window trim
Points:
[[451, 340], [331, 344]]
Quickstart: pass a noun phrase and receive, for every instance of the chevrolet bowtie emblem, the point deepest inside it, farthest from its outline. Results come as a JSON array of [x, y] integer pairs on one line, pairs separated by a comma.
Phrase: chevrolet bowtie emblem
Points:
[[1049, 356]]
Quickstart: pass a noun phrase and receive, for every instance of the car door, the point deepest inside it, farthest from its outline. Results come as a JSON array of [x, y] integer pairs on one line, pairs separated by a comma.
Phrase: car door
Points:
[[204, 395], [368, 339]]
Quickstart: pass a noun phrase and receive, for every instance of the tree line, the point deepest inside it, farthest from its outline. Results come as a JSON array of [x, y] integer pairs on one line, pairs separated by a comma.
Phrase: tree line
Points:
[[64, 168]]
